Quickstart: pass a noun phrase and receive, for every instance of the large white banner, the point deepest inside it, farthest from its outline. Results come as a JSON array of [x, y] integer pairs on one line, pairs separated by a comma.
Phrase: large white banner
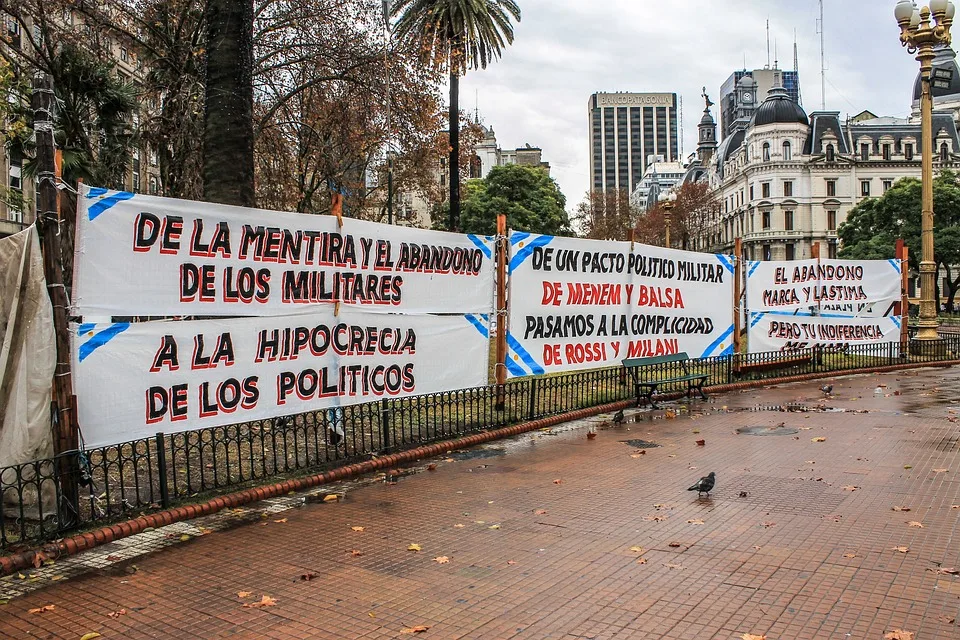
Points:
[[144, 255], [134, 380], [580, 304], [864, 288], [781, 331]]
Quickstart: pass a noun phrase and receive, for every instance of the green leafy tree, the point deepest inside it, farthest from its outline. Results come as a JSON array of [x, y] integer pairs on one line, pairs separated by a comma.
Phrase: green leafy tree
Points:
[[873, 227], [457, 35], [528, 196]]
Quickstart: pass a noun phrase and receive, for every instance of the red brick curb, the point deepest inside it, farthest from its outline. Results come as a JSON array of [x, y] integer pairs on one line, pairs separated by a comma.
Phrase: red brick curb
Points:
[[87, 540]]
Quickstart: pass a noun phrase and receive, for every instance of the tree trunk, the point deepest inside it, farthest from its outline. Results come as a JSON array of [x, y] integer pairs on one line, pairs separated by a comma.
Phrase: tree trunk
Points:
[[228, 114], [454, 163]]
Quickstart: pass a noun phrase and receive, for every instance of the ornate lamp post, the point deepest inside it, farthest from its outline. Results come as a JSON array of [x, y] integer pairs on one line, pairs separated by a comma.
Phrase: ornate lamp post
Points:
[[668, 202], [919, 35]]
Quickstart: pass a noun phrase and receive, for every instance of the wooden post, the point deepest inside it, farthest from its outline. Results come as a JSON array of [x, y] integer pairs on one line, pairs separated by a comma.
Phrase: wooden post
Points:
[[500, 372], [903, 254], [737, 293], [65, 436]]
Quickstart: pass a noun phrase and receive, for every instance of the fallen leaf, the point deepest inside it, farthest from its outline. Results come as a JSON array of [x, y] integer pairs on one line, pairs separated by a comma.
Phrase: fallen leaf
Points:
[[674, 545], [431, 467], [372, 614], [671, 565], [850, 487], [750, 636], [38, 559], [940, 470], [743, 494], [697, 521], [767, 525], [591, 435], [955, 506], [357, 528], [414, 547], [47, 607], [638, 454], [757, 547], [307, 577], [661, 505], [902, 549], [244, 594], [558, 481], [184, 537], [494, 526], [331, 497], [914, 523], [637, 549], [417, 629], [90, 636], [265, 601], [946, 571], [55, 578], [849, 555], [899, 508], [908, 466], [641, 561], [946, 619], [898, 634], [656, 518], [117, 613], [540, 512], [459, 526], [701, 443], [280, 521], [441, 560], [670, 414], [818, 439], [810, 462], [511, 562]]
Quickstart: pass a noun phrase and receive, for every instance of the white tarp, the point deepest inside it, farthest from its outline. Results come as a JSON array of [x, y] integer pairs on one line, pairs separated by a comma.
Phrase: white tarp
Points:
[[579, 304], [134, 380], [28, 352], [782, 331], [863, 288], [145, 255]]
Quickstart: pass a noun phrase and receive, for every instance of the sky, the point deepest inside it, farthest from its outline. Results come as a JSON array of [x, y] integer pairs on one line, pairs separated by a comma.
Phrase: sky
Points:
[[566, 50]]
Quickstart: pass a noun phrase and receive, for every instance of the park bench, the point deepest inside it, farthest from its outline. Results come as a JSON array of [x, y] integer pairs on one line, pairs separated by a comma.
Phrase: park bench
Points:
[[742, 365], [646, 389]]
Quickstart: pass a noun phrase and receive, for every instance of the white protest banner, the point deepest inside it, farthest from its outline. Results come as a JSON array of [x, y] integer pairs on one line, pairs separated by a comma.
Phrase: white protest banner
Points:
[[864, 288], [783, 331], [136, 379], [580, 304], [144, 255]]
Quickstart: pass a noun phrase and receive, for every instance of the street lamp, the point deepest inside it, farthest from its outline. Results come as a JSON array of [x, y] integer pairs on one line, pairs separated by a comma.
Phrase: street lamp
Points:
[[919, 35], [668, 201]]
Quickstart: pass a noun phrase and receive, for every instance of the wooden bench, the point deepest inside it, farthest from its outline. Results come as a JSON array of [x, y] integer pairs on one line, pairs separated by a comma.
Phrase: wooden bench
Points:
[[646, 389], [740, 367]]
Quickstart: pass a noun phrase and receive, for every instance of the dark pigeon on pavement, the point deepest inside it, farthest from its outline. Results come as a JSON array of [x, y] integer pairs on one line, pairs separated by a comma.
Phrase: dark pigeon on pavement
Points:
[[827, 389], [618, 417], [704, 484]]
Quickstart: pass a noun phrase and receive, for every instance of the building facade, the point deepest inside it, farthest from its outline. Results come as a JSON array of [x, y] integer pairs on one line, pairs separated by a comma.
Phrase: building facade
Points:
[[784, 181], [488, 154], [626, 131], [659, 178], [733, 99]]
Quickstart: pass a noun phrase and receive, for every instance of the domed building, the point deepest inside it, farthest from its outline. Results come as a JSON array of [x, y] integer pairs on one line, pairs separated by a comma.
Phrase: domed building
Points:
[[944, 98], [785, 180]]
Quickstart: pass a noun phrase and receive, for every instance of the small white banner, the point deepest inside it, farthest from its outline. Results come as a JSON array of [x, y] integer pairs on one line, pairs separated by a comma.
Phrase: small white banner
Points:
[[133, 380], [150, 256], [582, 304], [864, 288], [779, 331]]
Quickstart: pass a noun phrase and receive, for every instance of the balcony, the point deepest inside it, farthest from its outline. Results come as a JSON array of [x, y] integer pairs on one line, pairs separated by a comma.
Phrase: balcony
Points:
[[10, 227]]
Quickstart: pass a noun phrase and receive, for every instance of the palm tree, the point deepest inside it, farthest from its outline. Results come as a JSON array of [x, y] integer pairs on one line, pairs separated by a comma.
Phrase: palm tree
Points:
[[457, 35]]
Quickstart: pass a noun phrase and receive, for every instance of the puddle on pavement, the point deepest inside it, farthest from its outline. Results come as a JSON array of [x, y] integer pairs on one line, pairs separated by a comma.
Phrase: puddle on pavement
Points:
[[641, 444], [479, 454], [767, 431]]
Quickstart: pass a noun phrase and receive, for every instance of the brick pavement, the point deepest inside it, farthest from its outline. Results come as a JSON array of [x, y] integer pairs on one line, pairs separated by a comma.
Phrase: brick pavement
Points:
[[539, 532]]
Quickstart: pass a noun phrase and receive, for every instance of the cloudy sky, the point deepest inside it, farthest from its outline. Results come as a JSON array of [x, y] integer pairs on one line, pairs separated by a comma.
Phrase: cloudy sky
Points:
[[565, 50]]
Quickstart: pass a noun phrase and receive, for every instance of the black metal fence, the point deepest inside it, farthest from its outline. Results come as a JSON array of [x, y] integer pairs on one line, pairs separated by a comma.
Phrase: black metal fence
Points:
[[125, 480]]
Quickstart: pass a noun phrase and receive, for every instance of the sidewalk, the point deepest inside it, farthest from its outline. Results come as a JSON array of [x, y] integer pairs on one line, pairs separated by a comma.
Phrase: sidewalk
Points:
[[552, 535]]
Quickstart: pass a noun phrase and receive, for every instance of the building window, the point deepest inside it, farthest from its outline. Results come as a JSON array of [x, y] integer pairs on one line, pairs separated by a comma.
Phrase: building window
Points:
[[832, 251], [831, 153], [766, 219], [864, 152], [765, 190], [944, 152], [831, 220], [908, 151], [154, 185], [751, 193], [865, 188], [787, 189], [154, 159], [788, 220], [766, 152], [791, 251], [766, 252], [887, 184], [886, 152], [831, 188], [124, 54], [787, 152]]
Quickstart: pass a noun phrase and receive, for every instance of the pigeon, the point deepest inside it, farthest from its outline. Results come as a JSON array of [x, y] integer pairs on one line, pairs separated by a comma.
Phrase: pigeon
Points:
[[618, 417], [704, 484], [827, 389]]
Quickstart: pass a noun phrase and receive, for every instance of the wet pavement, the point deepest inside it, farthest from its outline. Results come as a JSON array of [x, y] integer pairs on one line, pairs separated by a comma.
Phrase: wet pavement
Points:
[[833, 517]]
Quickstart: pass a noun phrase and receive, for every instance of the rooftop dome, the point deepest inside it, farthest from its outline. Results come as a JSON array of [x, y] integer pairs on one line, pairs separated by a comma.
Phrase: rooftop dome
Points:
[[746, 81], [946, 57], [779, 108]]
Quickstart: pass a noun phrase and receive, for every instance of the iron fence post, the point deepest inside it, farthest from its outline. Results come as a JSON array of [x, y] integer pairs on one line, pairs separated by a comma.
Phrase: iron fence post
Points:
[[385, 424], [532, 409], [162, 470]]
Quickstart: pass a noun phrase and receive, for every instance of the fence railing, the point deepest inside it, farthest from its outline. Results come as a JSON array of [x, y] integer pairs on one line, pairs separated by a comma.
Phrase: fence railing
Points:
[[127, 479]]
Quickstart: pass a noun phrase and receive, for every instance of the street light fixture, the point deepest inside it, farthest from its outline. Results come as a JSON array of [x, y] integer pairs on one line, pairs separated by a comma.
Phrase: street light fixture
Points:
[[919, 34], [668, 201]]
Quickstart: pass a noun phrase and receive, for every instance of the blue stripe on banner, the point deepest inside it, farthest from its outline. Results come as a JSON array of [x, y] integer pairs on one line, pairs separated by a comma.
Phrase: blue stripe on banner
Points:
[[896, 320], [757, 317], [526, 357], [472, 319], [527, 251], [728, 351], [895, 264], [727, 262], [753, 267], [96, 192], [709, 351], [101, 339], [514, 369], [485, 316], [518, 236], [102, 205], [86, 326], [480, 245]]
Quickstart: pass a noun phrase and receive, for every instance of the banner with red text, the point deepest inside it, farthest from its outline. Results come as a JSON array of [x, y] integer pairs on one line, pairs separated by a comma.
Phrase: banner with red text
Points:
[[149, 256], [864, 288], [133, 380], [581, 304], [784, 331]]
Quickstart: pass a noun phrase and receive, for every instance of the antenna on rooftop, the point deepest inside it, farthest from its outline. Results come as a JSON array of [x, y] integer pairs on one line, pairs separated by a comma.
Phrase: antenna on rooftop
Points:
[[768, 45], [823, 63], [796, 68]]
